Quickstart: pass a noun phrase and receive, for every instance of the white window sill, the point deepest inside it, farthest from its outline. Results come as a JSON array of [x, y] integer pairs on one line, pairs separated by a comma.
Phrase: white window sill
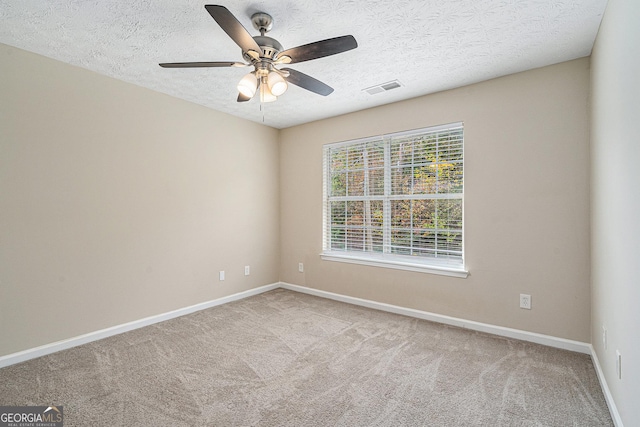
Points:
[[444, 270]]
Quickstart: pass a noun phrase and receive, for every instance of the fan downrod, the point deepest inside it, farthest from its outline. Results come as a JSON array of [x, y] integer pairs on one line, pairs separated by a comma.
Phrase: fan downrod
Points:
[[262, 22]]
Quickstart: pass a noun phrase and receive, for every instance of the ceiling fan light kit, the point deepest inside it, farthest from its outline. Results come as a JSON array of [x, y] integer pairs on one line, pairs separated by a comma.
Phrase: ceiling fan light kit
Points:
[[264, 53], [276, 83], [266, 95], [247, 86]]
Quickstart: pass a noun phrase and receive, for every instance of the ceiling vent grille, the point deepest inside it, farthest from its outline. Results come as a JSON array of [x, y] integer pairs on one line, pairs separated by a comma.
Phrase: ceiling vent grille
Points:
[[384, 87]]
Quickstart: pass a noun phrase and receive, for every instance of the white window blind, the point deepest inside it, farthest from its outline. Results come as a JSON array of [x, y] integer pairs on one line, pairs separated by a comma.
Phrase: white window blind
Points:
[[397, 197]]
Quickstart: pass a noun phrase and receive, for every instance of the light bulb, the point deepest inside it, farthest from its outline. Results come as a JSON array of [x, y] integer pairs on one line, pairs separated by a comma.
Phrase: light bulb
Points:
[[248, 85], [276, 83], [265, 94]]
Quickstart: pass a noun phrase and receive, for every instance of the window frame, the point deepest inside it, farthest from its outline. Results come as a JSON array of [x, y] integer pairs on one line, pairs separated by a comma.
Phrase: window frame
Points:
[[386, 258]]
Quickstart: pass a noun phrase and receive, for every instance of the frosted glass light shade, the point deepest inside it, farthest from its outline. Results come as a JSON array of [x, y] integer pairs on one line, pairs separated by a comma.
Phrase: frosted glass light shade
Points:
[[276, 83], [248, 85], [265, 94]]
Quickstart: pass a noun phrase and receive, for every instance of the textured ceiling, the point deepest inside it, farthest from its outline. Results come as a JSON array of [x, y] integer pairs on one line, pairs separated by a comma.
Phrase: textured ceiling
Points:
[[427, 45]]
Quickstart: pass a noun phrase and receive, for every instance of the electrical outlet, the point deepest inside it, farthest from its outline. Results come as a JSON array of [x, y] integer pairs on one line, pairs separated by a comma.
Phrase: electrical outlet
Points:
[[618, 364], [604, 337], [222, 275], [525, 301], [300, 267], [247, 270]]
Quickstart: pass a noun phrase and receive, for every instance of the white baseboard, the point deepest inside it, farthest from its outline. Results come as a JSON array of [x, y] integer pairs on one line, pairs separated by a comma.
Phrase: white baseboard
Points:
[[43, 350], [577, 346], [22, 356], [613, 409]]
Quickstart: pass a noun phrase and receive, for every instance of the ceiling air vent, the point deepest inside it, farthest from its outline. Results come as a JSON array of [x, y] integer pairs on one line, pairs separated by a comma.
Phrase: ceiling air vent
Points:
[[393, 84]]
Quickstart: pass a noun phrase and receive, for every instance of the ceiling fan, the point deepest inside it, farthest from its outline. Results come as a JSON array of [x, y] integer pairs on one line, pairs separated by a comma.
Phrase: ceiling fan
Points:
[[265, 54]]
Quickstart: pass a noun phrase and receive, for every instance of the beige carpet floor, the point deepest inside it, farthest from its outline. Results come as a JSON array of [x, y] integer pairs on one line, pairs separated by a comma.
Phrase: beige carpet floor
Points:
[[284, 358]]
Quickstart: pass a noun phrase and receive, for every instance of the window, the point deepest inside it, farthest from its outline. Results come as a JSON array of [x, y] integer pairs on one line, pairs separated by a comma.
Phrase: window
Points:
[[397, 200]]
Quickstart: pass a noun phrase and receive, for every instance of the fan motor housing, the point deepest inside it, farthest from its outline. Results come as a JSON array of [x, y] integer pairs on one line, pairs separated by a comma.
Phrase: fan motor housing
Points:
[[270, 47]]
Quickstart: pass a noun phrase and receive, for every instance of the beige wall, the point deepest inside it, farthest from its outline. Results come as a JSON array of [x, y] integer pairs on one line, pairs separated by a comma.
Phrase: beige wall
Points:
[[615, 201], [118, 203], [526, 203]]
